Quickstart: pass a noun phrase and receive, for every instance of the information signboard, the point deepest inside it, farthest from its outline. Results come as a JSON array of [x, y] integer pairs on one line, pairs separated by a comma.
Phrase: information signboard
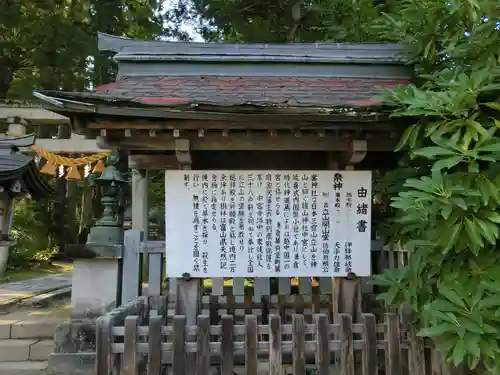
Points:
[[268, 223]]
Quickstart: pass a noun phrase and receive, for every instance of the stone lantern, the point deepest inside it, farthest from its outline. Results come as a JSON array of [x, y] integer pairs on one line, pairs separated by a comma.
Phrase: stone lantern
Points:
[[109, 228], [19, 178]]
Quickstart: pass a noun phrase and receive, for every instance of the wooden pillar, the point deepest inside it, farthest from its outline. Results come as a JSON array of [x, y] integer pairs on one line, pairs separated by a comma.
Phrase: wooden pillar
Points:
[[185, 290], [347, 296], [140, 208], [188, 290]]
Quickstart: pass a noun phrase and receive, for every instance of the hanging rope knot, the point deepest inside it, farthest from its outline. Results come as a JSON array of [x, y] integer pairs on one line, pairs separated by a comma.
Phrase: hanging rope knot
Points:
[[53, 161]]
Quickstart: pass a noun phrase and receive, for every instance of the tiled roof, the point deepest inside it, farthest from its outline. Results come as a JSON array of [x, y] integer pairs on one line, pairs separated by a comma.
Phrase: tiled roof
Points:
[[16, 166], [257, 91]]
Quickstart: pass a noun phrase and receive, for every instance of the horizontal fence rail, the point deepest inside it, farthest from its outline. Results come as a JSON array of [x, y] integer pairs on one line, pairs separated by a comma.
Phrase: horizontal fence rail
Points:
[[148, 345], [240, 296]]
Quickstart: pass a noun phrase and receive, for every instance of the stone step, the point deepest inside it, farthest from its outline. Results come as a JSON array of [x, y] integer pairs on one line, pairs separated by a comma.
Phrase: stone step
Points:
[[28, 329], [23, 368], [45, 299], [12, 350]]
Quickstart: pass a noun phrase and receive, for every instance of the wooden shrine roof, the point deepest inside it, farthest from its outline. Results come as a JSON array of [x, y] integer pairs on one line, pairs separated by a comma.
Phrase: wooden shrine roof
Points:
[[311, 79], [303, 93]]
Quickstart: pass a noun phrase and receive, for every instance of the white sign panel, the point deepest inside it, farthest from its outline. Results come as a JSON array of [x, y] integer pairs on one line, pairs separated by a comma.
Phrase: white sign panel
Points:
[[268, 223]]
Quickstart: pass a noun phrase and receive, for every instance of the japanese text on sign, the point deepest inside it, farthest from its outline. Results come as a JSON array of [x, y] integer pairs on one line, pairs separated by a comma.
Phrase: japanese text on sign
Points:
[[268, 223]]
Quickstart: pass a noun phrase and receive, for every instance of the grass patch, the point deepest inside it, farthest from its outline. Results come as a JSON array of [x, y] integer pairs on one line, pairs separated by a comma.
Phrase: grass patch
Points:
[[40, 270], [207, 283]]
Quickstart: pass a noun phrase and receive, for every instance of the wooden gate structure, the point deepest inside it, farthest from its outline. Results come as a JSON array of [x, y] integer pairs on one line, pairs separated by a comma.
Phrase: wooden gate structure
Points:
[[228, 107]]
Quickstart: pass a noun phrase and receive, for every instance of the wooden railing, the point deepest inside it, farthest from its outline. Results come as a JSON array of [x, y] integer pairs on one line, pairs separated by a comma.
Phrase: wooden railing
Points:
[[142, 255], [148, 345]]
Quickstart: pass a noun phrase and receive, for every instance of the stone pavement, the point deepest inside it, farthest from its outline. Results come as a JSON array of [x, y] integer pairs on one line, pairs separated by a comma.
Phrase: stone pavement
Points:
[[16, 291]]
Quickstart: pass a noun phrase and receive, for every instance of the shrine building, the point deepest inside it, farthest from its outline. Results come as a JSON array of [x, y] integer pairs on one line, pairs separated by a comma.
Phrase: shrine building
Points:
[[203, 106]]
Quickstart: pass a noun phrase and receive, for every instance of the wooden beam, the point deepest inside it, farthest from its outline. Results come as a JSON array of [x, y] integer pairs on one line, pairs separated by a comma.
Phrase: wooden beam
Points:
[[241, 141], [68, 146], [224, 113], [357, 152], [183, 153], [172, 124], [34, 115], [159, 161]]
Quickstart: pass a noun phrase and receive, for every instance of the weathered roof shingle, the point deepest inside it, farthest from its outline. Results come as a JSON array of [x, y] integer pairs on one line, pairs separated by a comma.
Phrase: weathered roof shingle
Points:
[[265, 91]]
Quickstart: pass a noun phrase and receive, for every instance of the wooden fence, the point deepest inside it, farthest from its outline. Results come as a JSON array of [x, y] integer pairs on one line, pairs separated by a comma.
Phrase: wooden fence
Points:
[[136, 339], [239, 296]]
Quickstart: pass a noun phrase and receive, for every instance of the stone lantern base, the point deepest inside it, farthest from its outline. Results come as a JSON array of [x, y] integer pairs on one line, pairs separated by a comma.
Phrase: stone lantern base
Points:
[[4, 255]]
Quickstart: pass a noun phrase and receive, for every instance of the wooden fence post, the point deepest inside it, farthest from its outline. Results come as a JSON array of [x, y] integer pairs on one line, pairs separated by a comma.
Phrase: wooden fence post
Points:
[[130, 364], [369, 360], [227, 346], [154, 344], [251, 359], [104, 358], [393, 337], [275, 357], [322, 349], [131, 270]]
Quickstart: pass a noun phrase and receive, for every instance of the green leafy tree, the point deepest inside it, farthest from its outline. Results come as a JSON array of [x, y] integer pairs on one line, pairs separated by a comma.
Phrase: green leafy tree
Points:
[[272, 21], [446, 212], [52, 45]]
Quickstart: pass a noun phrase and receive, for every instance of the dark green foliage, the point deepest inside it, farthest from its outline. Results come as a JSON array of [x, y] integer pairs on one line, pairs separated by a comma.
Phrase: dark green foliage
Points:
[[445, 212], [53, 45], [271, 21]]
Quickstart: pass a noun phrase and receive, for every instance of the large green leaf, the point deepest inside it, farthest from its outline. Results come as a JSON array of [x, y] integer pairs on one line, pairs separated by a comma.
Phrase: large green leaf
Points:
[[437, 330]]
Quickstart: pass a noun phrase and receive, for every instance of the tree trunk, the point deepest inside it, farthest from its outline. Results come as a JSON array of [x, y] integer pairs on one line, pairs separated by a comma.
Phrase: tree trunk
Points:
[[6, 77], [72, 198], [62, 215], [86, 220]]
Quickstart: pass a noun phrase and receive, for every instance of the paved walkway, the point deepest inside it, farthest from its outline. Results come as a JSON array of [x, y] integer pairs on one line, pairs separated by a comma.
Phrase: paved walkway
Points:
[[16, 291]]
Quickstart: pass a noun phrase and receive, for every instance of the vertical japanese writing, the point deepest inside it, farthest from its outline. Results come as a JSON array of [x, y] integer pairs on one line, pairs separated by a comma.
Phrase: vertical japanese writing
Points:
[[363, 199], [277, 233], [348, 242], [295, 221], [241, 213], [314, 221], [362, 209], [223, 223], [213, 201], [337, 187], [287, 205], [348, 256], [251, 224], [305, 221], [204, 221], [196, 180], [232, 223], [260, 224], [269, 221], [325, 237], [196, 233]]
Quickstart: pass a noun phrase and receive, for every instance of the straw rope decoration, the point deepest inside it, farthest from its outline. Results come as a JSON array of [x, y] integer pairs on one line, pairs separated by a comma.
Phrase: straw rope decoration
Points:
[[60, 166], [55, 162]]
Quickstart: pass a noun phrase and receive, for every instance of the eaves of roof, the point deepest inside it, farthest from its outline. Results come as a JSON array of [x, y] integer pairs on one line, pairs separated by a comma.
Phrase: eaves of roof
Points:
[[132, 50], [16, 166]]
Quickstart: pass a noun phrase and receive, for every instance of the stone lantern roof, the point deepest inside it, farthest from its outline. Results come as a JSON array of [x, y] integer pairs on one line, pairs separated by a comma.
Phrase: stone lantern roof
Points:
[[18, 172]]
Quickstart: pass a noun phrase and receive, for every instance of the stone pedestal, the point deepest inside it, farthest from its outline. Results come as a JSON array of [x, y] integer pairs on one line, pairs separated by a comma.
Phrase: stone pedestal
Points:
[[95, 292], [95, 281], [94, 287]]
